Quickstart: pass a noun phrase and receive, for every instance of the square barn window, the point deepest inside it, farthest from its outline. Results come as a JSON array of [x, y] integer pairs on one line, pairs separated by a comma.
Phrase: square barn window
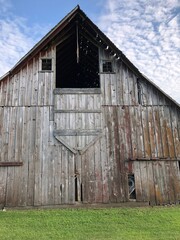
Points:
[[107, 67], [46, 64]]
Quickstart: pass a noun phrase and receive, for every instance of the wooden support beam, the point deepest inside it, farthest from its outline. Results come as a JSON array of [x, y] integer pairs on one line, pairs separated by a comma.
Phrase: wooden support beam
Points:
[[154, 159], [10, 164], [77, 132], [58, 91], [78, 111]]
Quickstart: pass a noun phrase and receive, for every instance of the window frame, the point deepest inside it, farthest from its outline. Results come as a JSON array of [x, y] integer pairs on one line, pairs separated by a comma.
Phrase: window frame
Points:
[[112, 65], [41, 64]]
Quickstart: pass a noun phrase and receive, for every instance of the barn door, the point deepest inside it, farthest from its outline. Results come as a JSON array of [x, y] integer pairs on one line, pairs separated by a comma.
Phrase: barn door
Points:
[[78, 125], [77, 116]]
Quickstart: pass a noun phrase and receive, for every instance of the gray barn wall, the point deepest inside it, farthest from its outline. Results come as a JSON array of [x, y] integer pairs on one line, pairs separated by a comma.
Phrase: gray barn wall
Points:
[[130, 134]]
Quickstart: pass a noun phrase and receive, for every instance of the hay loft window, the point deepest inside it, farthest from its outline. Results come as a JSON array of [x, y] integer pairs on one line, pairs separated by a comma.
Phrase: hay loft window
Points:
[[107, 67], [77, 60], [46, 64]]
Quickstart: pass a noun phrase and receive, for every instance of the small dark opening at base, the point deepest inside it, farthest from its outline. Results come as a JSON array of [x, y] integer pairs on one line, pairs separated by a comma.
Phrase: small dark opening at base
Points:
[[131, 184], [76, 189], [81, 193], [179, 165]]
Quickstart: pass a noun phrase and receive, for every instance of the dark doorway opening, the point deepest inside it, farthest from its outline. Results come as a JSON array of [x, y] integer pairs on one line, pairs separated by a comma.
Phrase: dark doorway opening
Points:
[[131, 184]]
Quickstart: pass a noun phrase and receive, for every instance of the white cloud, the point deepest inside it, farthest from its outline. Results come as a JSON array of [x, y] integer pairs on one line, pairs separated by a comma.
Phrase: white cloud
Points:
[[16, 37], [149, 35]]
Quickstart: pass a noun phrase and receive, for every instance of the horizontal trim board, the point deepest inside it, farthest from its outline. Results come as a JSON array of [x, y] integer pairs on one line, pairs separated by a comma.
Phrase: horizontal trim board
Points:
[[58, 91], [77, 111], [154, 159], [10, 164], [77, 132], [107, 73], [46, 71]]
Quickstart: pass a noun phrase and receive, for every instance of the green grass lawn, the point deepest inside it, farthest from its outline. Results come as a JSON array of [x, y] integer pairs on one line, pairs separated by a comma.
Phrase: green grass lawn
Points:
[[111, 223]]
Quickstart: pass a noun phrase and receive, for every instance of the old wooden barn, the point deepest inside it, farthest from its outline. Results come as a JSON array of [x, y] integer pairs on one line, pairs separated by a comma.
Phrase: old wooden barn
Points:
[[80, 123]]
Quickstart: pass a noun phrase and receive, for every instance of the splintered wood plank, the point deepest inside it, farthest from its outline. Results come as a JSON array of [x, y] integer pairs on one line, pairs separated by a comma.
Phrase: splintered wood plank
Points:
[[1, 131], [41, 87], [176, 181], [11, 139], [157, 129], [102, 84], [140, 153], [1, 93], [169, 132], [132, 87], [170, 183], [119, 156], [125, 149], [3, 179], [104, 168], [113, 89], [85, 177], [91, 176], [152, 137], [174, 122], [57, 155], [9, 94], [46, 162], [158, 185], [134, 144], [109, 137], [5, 134], [126, 86], [163, 123], [120, 84], [107, 89], [157, 182], [16, 87], [6, 91], [51, 176], [64, 176], [71, 186], [22, 86], [29, 84], [18, 136], [145, 124], [38, 159], [35, 82], [31, 150], [151, 186], [23, 172], [98, 172], [12, 178]]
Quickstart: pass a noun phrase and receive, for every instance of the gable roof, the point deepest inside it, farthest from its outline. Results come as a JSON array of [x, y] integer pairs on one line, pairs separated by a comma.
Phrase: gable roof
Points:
[[100, 36]]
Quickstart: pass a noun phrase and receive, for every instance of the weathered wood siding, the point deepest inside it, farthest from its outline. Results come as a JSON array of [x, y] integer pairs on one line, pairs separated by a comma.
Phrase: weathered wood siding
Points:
[[117, 136]]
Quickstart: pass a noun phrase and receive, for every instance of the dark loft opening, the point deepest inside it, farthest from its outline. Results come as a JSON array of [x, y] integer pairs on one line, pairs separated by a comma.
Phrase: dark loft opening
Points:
[[77, 61]]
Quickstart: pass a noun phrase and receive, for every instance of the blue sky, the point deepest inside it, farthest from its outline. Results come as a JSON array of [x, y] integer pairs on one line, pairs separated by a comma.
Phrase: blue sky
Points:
[[148, 32]]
